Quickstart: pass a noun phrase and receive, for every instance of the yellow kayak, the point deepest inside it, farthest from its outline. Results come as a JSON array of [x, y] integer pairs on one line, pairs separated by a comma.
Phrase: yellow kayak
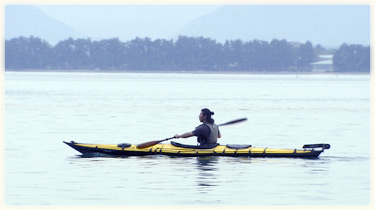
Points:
[[177, 149]]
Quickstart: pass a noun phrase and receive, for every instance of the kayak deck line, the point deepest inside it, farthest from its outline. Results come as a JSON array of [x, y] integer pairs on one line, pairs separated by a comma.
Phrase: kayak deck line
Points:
[[177, 149]]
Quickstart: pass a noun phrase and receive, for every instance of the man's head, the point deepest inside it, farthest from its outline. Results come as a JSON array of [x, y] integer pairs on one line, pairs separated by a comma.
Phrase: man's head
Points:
[[205, 115]]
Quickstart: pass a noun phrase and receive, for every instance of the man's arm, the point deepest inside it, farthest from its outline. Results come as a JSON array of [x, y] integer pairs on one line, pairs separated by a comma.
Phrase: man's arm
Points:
[[185, 135]]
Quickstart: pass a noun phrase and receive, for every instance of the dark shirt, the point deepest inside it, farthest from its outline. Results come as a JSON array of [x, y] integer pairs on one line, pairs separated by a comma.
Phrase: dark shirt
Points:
[[201, 132]]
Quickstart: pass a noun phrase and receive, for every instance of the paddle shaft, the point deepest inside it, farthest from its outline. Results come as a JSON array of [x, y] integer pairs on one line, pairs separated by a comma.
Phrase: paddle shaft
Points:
[[233, 122], [152, 143]]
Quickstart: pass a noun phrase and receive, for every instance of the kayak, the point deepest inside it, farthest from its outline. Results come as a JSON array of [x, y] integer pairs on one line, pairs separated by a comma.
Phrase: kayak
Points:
[[178, 149]]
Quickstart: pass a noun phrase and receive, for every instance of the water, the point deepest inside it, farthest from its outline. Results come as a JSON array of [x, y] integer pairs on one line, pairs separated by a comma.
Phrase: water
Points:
[[284, 111]]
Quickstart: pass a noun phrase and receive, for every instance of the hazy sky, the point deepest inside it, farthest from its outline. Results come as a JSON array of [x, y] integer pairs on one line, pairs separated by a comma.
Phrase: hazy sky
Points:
[[104, 19]]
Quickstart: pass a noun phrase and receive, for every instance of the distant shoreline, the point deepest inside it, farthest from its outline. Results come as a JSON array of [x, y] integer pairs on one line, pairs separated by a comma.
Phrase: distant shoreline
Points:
[[182, 72]]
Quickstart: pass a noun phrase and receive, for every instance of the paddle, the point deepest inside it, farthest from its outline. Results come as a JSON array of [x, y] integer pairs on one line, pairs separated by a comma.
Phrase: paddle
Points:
[[233, 121], [152, 143]]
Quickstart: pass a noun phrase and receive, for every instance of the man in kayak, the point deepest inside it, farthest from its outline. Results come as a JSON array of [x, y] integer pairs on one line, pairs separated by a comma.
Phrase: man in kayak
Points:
[[207, 133]]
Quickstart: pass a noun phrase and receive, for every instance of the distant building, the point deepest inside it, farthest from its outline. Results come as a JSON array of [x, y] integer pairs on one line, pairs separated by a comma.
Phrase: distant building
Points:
[[324, 64]]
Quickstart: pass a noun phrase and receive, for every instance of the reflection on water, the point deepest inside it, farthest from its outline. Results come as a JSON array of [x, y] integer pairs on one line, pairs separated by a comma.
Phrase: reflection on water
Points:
[[207, 163], [207, 168]]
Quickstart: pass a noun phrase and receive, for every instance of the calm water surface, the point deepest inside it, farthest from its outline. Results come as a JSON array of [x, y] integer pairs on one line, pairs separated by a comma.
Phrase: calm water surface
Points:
[[284, 111]]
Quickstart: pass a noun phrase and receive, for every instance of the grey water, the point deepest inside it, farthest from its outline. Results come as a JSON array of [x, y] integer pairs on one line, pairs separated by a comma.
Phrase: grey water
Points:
[[42, 109]]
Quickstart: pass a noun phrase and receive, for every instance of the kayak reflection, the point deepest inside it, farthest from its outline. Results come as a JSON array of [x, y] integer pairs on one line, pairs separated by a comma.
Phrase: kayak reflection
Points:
[[206, 178], [207, 163]]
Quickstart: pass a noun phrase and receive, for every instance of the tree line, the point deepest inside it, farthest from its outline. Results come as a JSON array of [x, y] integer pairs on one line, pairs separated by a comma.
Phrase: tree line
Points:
[[349, 58], [185, 53]]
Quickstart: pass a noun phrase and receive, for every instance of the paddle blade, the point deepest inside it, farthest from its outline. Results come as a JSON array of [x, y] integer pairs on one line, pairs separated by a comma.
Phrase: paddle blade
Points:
[[151, 143], [148, 144], [234, 121]]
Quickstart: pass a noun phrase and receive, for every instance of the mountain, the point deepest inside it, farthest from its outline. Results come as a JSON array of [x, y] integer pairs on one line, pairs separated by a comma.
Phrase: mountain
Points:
[[30, 21], [127, 22], [328, 25]]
